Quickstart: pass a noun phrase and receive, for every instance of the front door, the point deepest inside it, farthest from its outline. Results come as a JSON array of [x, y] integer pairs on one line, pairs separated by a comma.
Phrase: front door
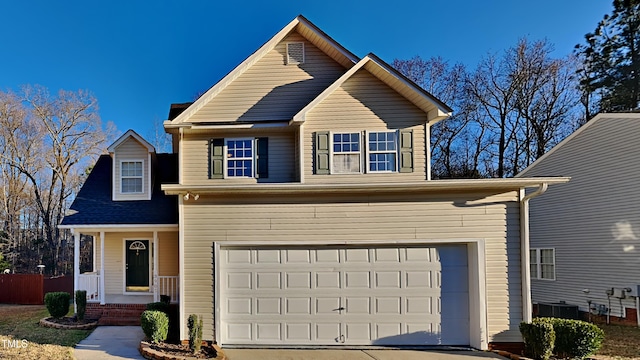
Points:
[[137, 265]]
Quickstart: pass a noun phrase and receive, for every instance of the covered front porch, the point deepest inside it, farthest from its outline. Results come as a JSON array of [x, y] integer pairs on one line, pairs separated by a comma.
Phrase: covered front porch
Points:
[[131, 265]]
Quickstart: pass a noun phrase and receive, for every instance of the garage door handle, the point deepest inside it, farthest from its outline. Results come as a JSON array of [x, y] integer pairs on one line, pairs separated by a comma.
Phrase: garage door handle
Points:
[[338, 309]]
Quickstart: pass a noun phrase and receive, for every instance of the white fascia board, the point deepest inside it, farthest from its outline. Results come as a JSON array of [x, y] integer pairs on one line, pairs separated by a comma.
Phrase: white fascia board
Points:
[[125, 136], [121, 227], [433, 185]]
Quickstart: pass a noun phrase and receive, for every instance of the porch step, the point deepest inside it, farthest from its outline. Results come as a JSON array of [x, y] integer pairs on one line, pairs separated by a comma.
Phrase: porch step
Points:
[[116, 314]]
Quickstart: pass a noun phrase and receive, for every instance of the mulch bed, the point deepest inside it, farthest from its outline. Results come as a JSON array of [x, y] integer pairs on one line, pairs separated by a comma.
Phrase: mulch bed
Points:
[[178, 351], [69, 323]]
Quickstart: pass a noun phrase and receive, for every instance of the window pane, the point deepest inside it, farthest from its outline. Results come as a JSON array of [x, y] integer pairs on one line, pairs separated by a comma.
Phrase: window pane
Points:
[[534, 271], [547, 271], [382, 148], [346, 163], [240, 158], [546, 256], [131, 185]]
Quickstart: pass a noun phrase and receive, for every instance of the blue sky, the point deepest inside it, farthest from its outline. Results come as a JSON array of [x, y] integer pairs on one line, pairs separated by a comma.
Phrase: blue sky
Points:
[[138, 57]]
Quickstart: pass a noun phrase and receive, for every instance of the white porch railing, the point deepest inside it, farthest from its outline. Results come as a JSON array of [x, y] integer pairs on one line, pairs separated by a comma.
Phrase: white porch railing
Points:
[[168, 285], [91, 283]]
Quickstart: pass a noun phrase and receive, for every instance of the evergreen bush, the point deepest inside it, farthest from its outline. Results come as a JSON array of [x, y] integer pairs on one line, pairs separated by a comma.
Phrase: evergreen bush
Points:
[[539, 339], [575, 339], [57, 303], [155, 325], [81, 303], [195, 332]]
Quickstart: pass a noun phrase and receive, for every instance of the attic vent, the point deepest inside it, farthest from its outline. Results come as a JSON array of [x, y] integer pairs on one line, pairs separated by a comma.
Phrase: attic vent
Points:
[[295, 53]]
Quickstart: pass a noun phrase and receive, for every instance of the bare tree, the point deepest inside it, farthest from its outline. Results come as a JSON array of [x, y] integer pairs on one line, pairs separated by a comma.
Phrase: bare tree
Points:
[[51, 149]]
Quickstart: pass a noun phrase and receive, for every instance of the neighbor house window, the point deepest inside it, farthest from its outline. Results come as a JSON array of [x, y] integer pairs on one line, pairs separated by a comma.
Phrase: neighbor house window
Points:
[[346, 153], [383, 152], [240, 157], [543, 264], [131, 177]]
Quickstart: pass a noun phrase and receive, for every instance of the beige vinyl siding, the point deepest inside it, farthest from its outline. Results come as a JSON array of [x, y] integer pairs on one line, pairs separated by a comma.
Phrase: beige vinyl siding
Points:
[[195, 156], [365, 103], [591, 218], [168, 257], [272, 90], [131, 150], [360, 220]]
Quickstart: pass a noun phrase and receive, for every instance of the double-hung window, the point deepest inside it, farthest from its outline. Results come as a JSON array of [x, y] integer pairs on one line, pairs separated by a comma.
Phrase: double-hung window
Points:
[[363, 152], [543, 264], [346, 153], [131, 177], [383, 151], [240, 157]]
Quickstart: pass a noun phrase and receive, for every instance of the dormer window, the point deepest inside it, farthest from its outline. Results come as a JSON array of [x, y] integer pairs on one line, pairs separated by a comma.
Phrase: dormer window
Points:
[[131, 177]]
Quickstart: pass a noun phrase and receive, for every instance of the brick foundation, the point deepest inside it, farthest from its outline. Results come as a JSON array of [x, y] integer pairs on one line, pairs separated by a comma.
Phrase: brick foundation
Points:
[[116, 314]]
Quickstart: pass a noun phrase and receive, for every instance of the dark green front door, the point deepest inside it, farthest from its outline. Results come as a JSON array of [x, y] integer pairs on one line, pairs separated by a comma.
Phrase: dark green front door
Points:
[[137, 266]]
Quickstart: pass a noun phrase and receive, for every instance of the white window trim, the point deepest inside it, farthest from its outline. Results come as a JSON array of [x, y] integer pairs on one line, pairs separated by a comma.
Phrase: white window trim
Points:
[[331, 152], [368, 152], [226, 158], [538, 264], [141, 177]]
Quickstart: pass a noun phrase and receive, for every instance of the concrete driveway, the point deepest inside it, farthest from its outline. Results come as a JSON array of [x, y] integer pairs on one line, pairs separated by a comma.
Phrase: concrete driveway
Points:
[[330, 354]]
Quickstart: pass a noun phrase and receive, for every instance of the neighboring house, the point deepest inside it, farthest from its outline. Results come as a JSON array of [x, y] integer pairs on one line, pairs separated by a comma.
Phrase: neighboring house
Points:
[[306, 214], [585, 235]]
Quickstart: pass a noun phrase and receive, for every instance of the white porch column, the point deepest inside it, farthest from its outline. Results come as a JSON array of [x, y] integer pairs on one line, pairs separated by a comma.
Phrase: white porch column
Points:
[[93, 251], [156, 286], [76, 264], [102, 294]]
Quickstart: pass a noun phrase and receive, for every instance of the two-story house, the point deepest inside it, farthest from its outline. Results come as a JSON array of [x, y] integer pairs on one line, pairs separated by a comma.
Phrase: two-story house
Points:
[[305, 214]]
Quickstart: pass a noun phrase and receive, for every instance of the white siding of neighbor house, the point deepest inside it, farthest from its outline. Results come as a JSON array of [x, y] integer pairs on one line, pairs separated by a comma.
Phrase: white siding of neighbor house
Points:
[[590, 219], [114, 256], [282, 163], [364, 103], [272, 90], [359, 220], [131, 150]]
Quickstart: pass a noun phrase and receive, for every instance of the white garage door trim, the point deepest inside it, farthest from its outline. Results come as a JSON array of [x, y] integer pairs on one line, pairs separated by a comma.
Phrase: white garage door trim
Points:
[[476, 277]]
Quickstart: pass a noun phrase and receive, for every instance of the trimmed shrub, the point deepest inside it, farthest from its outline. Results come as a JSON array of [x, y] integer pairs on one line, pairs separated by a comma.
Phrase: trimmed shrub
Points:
[[57, 303], [574, 338], [155, 325], [158, 306], [81, 303], [195, 332], [539, 339]]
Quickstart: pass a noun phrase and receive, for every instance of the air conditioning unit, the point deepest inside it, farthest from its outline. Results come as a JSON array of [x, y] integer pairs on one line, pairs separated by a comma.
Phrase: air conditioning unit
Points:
[[558, 310]]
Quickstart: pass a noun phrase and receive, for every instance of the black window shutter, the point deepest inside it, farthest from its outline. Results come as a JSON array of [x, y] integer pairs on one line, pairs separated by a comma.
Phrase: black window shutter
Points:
[[216, 151], [406, 151], [322, 153], [262, 153]]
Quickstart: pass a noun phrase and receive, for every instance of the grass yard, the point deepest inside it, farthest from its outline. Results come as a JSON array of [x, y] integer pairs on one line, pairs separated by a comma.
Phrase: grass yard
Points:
[[620, 342], [20, 322]]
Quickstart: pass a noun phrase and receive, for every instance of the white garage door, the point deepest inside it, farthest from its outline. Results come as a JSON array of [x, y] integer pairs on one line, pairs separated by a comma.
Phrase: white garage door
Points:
[[344, 296]]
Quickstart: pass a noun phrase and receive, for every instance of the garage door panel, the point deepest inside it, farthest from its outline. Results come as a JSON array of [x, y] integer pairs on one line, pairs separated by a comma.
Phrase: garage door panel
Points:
[[357, 296]]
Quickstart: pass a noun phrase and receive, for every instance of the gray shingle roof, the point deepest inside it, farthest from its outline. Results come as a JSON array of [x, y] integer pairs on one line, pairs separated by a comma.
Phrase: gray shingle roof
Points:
[[94, 205]]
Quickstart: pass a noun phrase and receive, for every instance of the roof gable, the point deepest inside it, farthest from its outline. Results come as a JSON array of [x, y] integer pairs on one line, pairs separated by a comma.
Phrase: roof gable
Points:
[[131, 134], [591, 123], [436, 110], [300, 25]]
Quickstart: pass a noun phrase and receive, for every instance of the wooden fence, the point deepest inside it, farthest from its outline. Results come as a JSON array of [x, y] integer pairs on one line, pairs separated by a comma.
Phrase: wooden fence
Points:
[[29, 289]]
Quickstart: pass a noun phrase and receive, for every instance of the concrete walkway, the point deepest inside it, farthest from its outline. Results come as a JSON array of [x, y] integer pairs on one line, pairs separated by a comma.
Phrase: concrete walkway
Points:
[[111, 343], [390, 354]]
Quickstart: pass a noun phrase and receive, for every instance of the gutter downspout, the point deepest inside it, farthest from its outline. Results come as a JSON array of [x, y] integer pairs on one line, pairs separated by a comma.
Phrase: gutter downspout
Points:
[[527, 307]]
